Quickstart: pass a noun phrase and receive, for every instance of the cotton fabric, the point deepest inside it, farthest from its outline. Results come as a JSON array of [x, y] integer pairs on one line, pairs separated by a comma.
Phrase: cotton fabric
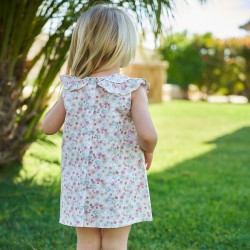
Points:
[[103, 180]]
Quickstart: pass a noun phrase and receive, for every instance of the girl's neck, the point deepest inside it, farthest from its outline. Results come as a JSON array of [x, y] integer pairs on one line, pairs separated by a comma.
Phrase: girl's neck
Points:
[[110, 71]]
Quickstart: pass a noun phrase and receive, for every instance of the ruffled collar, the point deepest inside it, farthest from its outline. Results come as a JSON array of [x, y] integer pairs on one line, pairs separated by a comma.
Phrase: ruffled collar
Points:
[[115, 83]]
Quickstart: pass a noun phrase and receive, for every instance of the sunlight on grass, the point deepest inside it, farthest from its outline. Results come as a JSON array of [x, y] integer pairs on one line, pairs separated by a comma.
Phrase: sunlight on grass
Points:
[[42, 163], [184, 130]]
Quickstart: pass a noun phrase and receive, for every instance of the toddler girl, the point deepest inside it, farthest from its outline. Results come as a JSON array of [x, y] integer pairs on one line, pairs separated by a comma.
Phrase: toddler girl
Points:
[[108, 135]]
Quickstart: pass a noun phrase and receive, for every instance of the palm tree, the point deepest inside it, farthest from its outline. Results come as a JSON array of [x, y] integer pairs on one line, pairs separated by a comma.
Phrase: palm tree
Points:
[[21, 21]]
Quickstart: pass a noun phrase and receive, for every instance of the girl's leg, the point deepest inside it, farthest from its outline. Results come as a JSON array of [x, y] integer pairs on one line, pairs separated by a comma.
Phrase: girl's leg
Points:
[[88, 238], [115, 238]]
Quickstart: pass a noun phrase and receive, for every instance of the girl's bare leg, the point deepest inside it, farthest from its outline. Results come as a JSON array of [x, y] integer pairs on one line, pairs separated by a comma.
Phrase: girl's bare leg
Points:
[[115, 238], [88, 238]]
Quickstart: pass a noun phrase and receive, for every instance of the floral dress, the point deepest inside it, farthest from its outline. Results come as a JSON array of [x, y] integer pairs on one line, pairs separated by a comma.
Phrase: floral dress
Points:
[[103, 179]]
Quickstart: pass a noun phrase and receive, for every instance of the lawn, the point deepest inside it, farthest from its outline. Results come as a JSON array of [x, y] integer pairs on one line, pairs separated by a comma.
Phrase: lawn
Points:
[[199, 185]]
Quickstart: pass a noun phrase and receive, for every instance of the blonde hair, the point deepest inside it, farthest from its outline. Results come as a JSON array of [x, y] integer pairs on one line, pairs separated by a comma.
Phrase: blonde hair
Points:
[[103, 37]]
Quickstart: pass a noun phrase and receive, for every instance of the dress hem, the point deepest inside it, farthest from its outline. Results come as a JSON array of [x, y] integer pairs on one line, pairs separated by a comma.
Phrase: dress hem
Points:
[[122, 225]]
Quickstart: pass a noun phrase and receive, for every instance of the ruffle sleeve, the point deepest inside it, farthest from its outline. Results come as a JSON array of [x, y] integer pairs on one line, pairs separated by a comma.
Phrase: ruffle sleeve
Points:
[[124, 87], [115, 84], [72, 83]]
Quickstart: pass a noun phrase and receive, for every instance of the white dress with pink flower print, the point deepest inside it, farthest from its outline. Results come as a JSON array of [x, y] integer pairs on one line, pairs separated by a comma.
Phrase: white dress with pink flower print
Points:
[[103, 182]]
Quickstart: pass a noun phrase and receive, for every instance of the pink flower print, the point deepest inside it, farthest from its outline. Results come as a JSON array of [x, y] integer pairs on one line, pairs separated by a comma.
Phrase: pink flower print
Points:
[[103, 166]]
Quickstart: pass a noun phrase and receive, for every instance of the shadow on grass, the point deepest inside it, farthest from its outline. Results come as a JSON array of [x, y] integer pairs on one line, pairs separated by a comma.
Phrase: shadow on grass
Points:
[[9, 171], [201, 203], [204, 202], [29, 217]]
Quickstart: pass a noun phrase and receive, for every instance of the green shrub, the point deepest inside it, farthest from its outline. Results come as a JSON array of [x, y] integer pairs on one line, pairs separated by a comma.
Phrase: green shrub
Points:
[[216, 66]]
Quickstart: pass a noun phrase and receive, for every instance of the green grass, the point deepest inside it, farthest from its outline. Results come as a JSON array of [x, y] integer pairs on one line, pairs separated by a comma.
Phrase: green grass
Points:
[[199, 185]]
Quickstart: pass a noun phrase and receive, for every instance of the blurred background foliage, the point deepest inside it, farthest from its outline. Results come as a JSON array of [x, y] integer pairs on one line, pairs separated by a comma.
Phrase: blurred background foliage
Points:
[[216, 66], [21, 22]]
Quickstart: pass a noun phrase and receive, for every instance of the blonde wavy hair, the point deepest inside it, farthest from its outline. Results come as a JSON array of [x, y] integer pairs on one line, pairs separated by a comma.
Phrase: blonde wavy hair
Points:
[[102, 38]]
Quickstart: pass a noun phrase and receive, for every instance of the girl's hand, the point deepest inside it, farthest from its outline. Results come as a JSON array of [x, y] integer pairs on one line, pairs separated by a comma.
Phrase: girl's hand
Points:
[[148, 159]]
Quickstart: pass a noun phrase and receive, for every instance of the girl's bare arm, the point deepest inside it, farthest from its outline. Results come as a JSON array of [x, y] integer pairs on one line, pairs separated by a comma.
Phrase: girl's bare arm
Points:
[[147, 135], [54, 118]]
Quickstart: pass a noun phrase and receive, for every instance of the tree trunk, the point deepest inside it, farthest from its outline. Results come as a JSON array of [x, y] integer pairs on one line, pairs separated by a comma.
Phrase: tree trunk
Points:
[[19, 115]]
